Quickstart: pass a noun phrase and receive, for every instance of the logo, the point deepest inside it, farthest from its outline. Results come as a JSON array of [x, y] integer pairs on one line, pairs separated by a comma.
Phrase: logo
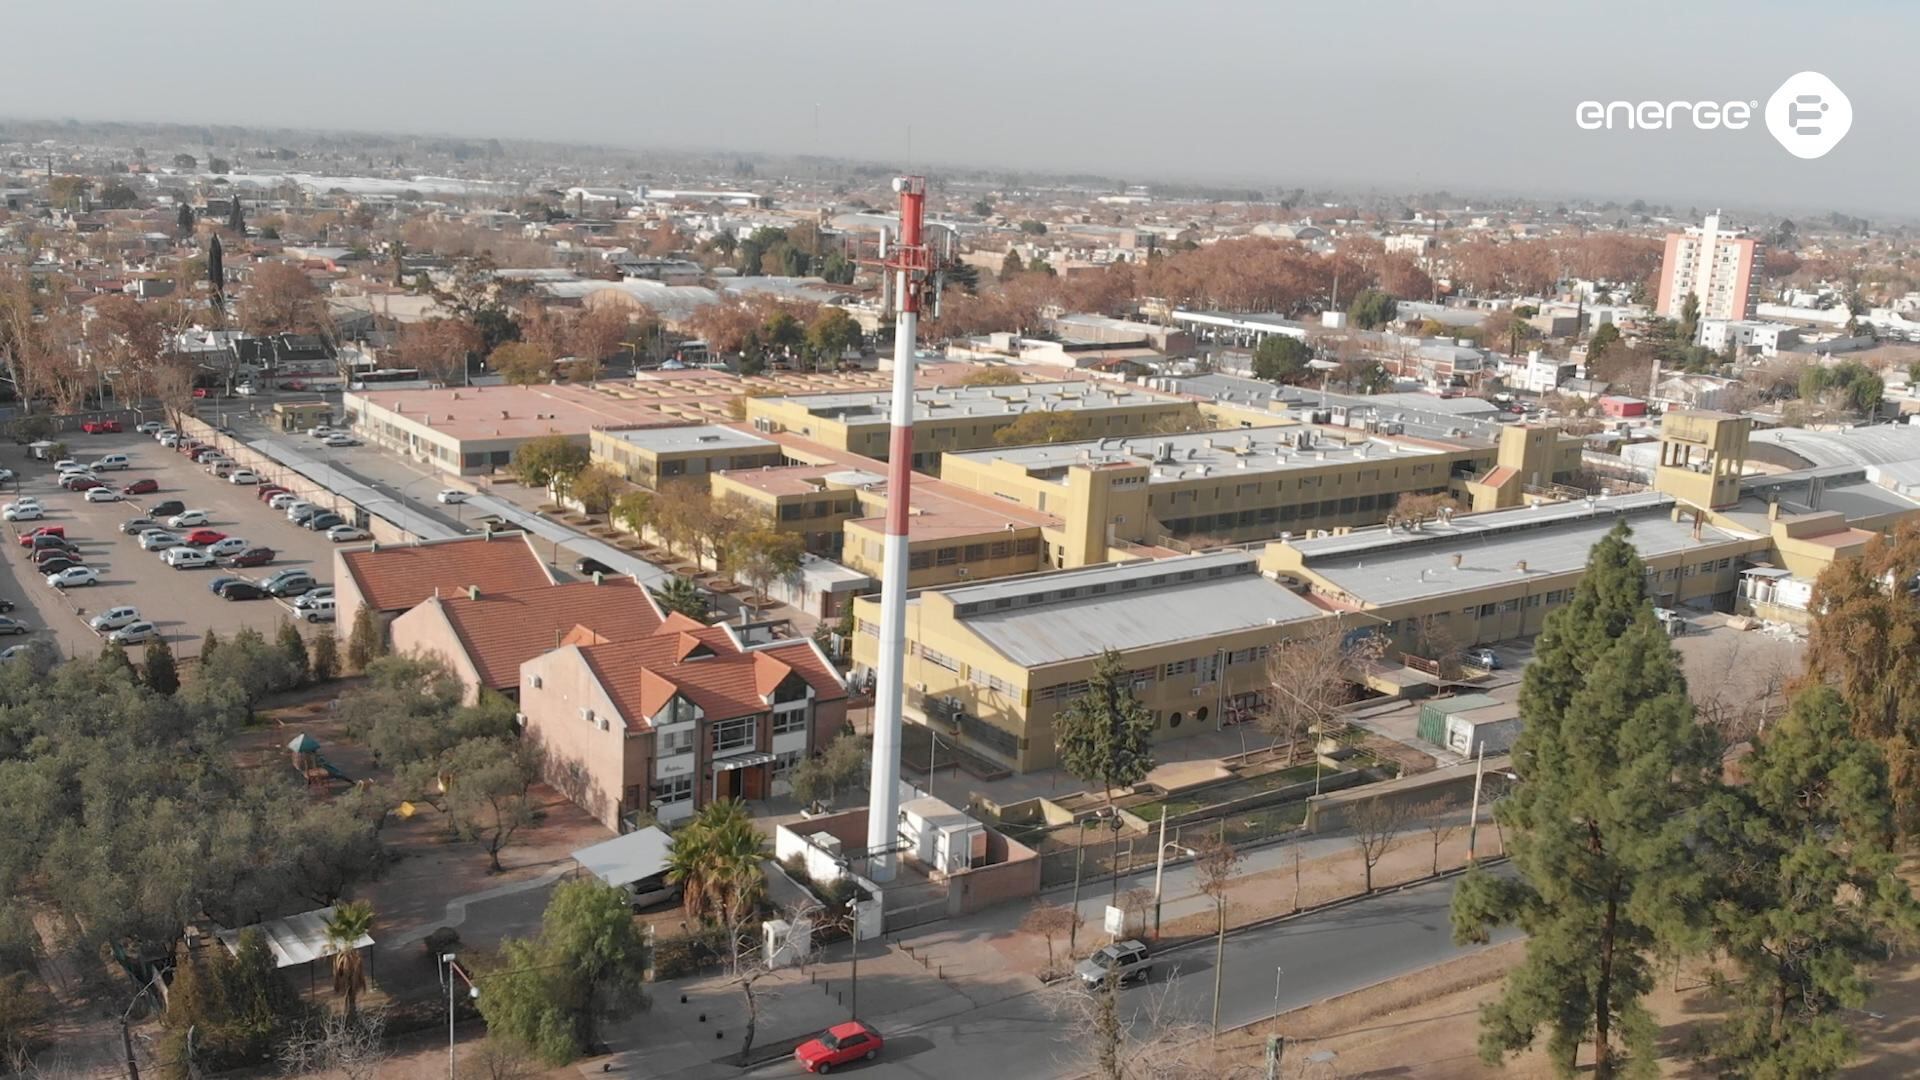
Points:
[[1809, 115]]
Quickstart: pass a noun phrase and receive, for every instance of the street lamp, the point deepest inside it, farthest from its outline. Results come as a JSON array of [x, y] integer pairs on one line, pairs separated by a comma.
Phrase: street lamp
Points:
[[853, 935], [1160, 867], [473, 991], [1473, 812], [1079, 861]]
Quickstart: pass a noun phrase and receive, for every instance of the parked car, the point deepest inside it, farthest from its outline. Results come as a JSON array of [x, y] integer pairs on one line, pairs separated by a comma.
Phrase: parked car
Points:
[[282, 500], [840, 1044], [169, 439], [113, 462], [6, 476], [227, 546], [115, 617], [197, 450], [136, 526], [1127, 961], [166, 509], [16, 652], [323, 521], [13, 626], [336, 441], [66, 464], [321, 431], [44, 541], [26, 538], [43, 555], [313, 596], [134, 633], [318, 613], [20, 503], [222, 582], [186, 558], [204, 537], [346, 534], [149, 427], [100, 427], [103, 495], [267, 491], [22, 513], [82, 482], [158, 540], [5, 605], [594, 566], [253, 556], [450, 496], [288, 583], [243, 476], [223, 469], [61, 560], [1485, 658], [299, 507], [146, 485], [242, 590], [73, 576], [187, 519]]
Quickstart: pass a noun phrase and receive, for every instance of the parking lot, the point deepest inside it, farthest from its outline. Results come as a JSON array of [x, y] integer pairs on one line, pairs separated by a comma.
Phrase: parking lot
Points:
[[178, 602]]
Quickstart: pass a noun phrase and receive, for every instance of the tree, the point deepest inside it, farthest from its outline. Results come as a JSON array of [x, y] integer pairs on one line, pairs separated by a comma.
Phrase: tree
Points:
[[1610, 760], [1311, 676], [1040, 427], [844, 763], [596, 487], [1372, 309], [716, 862], [681, 595], [281, 299], [209, 644], [522, 363], [113, 657], [326, 656], [366, 642], [632, 509], [352, 1047], [996, 376], [542, 460], [236, 216], [1376, 824], [1436, 817], [487, 784], [1050, 921], [1033, 228], [1807, 892], [546, 995], [1412, 508], [1282, 359], [344, 928], [216, 272], [293, 648], [1011, 266], [186, 162], [1689, 329], [765, 555], [159, 671], [1105, 737], [439, 349], [832, 333], [1215, 863], [1605, 337]]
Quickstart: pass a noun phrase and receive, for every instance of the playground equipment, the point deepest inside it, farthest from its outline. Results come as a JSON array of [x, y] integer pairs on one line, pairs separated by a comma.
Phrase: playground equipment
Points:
[[309, 762]]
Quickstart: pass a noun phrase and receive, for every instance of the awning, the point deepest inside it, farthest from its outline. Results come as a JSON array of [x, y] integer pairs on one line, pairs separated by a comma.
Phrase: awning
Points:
[[1766, 572], [626, 859], [294, 940], [742, 761]]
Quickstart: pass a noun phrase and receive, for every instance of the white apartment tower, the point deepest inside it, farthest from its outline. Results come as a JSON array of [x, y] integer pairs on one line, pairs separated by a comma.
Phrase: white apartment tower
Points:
[[1713, 264]]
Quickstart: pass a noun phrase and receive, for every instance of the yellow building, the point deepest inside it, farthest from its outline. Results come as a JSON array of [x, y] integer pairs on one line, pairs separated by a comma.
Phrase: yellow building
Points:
[[652, 456], [961, 417]]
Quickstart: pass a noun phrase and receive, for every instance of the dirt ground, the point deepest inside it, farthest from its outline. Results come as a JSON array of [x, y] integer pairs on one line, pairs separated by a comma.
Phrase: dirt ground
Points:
[[1425, 1027]]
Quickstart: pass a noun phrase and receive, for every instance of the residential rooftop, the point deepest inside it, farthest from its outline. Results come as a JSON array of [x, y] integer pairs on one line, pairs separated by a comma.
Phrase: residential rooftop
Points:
[[705, 664], [395, 577], [1191, 455], [503, 630]]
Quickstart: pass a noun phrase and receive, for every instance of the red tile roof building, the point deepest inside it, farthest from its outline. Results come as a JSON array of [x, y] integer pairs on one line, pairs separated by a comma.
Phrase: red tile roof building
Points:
[[391, 578]]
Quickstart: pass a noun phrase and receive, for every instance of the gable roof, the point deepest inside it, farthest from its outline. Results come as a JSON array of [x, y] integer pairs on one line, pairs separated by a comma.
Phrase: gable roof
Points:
[[501, 631], [396, 577], [641, 675]]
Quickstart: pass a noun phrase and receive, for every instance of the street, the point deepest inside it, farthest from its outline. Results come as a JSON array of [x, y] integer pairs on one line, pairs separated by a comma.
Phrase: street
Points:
[[1326, 954]]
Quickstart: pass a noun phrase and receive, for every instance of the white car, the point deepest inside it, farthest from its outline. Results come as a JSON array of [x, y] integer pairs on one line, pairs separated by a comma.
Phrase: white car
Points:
[[115, 617], [158, 540], [22, 503], [188, 520], [134, 633], [321, 431], [450, 496], [297, 507], [313, 596], [67, 464], [243, 476], [346, 534], [169, 439], [102, 494], [245, 389], [281, 500], [149, 427], [232, 545], [23, 513], [186, 558], [339, 439], [74, 576], [5, 475]]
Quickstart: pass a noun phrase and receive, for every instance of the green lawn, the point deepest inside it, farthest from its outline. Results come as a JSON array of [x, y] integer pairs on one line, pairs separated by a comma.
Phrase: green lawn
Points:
[[1239, 789]]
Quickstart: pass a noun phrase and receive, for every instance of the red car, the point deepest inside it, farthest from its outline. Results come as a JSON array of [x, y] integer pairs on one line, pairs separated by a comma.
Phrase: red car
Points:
[[26, 538], [838, 1045], [199, 451], [254, 556], [82, 483], [141, 487], [267, 491], [100, 427], [203, 537]]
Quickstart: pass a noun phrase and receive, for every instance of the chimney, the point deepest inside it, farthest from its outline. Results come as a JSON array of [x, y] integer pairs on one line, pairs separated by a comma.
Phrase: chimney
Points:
[[1458, 559], [473, 592], [1521, 566], [596, 577]]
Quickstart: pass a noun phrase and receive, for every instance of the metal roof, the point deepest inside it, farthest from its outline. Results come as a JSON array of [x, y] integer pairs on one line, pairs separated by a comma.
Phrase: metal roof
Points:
[[696, 437], [1240, 452], [628, 858], [294, 940], [1879, 444]]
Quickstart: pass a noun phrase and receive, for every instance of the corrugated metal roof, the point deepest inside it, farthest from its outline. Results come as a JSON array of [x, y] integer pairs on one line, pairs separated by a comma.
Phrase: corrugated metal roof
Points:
[[294, 940]]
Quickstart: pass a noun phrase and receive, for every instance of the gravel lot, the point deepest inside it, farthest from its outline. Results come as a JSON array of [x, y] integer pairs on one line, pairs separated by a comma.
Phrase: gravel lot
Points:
[[177, 601]]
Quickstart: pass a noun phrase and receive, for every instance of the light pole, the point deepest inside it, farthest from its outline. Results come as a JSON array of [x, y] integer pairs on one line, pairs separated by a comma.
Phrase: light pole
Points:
[[853, 934], [1277, 972], [1160, 866], [126, 1032], [1079, 861], [473, 991]]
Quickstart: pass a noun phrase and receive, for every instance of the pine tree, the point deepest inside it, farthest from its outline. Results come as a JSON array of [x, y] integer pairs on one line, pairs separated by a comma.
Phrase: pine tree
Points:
[[294, 648], [217, 271], [364, 644], [1011, 265], [113, 655], [1610, 760], [326, 656], [183, 220], [236, 217], [160, 673], [1808, 893], [208, 646], [1105, 737]]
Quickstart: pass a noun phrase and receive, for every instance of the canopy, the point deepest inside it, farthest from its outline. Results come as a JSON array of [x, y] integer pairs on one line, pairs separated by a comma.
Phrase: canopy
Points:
[[624, 860], [304, 743], [296, 939]]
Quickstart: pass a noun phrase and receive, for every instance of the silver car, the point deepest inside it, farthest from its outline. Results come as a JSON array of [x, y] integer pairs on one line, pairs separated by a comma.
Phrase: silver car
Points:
[[1126, 961]]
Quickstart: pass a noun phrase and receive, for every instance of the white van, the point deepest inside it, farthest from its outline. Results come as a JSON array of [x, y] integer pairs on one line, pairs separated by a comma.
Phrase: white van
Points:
[[318, 611], [113, 461]]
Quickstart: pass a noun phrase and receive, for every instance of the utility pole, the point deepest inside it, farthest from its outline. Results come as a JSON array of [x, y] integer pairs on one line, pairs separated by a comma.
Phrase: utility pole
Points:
[[1473, 812], [126, 1041]]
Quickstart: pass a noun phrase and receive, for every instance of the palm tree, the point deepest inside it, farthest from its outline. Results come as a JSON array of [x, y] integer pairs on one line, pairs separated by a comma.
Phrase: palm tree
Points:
[[681, 595], [347, 925], [716, 862]]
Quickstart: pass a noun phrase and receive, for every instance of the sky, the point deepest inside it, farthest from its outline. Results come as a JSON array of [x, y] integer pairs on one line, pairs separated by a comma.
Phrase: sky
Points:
[[1473, 96]]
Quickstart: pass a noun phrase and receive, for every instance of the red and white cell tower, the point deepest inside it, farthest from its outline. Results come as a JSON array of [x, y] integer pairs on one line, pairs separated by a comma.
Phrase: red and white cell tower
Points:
[[912, 274]]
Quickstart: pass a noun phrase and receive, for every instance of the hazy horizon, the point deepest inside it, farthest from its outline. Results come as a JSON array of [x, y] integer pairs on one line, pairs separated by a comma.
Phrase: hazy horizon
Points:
[[1388, 98]]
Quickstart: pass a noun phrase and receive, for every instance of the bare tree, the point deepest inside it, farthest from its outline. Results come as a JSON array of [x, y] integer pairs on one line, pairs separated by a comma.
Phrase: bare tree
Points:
[[1215, 863], [752, 964], [1050, 921], [1153, 1040], [1311, 676], [1376, 823], [352, 1046], [495, 1060], [1435, 818]]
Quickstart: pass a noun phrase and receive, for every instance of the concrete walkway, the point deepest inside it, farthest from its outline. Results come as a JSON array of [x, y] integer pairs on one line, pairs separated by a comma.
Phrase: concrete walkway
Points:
[[457, 907]]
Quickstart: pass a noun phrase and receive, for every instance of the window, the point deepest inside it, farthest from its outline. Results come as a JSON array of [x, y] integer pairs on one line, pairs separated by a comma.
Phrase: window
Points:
[[784, 763], [975, 552], [939, 659], [1176, 719], [919, 560], [674, 789], [1028, 546], [788, 721], [1200, 715], [669, 743], [992, 682], [946, 556], [1178, 667], [736, 734], [868, 628]]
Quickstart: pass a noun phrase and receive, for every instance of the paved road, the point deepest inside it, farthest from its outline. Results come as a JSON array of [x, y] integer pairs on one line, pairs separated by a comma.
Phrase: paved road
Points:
[[1327, 954]]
